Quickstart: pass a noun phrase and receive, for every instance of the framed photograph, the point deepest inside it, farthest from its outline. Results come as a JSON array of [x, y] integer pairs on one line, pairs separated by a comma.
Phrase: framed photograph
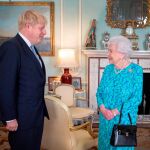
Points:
[[9, 13], [76, 82], [53, 82]]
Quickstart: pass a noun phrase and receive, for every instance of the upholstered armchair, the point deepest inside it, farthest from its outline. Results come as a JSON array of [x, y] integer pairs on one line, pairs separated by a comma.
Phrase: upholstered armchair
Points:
[[66, 92], [59, 132]]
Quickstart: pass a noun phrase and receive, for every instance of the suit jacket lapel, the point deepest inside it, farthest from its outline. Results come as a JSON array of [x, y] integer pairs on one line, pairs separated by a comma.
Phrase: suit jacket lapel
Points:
[[31, 55], [43, 66]]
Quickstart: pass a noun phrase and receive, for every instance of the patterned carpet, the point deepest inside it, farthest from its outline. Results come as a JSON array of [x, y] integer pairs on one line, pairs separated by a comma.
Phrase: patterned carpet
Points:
[[3, 139], [143, 139], [4, 145]]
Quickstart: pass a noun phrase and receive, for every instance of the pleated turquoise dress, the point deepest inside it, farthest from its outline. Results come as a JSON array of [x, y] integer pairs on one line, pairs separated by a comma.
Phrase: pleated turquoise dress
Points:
[[115, 88]]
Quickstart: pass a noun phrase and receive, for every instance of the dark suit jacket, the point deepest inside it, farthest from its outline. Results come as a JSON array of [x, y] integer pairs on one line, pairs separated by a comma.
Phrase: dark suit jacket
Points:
[[22, 82]]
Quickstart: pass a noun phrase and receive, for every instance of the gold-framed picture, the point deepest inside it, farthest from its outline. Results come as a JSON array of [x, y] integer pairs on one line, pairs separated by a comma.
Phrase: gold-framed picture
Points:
[[9, 13]]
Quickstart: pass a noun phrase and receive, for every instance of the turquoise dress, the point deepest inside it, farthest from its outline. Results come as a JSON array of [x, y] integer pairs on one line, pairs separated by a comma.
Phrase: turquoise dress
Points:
[[116, 88]]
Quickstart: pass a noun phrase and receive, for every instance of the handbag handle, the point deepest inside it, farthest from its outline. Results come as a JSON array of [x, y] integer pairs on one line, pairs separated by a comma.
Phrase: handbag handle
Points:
[[121, 116]]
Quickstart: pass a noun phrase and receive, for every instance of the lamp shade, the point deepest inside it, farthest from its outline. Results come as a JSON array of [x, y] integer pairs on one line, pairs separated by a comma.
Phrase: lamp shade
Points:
[[67, 58]]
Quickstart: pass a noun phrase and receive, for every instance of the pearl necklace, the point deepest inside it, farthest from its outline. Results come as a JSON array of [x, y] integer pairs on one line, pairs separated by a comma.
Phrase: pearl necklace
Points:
[[117, 71]]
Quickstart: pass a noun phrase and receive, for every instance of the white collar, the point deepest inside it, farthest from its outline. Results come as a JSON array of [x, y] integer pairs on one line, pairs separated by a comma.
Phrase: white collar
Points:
[[25, 39]]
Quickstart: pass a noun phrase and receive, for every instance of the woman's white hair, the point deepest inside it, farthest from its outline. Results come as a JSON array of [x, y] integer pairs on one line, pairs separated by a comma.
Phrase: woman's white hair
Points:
[[123, 44]]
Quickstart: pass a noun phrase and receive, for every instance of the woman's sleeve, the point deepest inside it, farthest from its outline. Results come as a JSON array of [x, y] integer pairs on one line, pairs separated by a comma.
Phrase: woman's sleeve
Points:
[[100, 89], [131, 105]]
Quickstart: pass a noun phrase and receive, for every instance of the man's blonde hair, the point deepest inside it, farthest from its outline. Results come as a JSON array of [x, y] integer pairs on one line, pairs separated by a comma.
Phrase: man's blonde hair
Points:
[[32, 17]]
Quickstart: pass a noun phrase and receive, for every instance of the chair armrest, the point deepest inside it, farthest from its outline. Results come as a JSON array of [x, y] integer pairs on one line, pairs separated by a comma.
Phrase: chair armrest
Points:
[[82, 126], [57, 96], [87, 126]]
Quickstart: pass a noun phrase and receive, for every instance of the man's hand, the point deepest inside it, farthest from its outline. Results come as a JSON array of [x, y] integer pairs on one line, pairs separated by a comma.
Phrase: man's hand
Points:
[[12, 125]]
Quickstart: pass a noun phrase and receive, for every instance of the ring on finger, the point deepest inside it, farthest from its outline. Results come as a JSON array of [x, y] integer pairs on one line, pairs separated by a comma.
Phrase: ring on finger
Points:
[[114, 114]]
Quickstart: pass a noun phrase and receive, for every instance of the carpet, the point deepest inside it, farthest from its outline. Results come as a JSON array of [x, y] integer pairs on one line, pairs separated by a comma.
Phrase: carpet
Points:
[[4, 145], [143, 138]]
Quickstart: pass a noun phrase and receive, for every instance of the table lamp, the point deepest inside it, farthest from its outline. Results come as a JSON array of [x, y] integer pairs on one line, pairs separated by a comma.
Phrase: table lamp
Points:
[[66, 60]]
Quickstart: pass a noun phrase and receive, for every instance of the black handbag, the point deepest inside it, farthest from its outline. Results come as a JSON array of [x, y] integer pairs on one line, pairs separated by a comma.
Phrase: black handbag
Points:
[[124, 135]]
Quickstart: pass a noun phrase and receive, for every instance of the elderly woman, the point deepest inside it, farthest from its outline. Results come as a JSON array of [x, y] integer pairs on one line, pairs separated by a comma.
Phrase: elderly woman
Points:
[[121, 83]]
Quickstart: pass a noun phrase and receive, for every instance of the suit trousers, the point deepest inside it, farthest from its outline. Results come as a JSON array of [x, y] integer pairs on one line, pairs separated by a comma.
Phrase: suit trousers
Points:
[[29, 139]]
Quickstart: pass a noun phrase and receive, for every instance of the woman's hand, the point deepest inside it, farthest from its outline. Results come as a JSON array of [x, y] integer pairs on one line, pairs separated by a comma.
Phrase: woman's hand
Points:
[[115, 112], [108, 114]]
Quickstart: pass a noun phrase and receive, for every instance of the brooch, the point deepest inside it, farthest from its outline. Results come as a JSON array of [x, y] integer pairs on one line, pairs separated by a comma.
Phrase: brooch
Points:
[[130, 70]]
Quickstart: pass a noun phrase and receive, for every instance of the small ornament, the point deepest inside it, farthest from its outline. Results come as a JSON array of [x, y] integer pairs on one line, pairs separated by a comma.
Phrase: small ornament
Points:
[[129, 29], [148, 41], [91, 40], [106, 38], [130, 70], [131, 35]]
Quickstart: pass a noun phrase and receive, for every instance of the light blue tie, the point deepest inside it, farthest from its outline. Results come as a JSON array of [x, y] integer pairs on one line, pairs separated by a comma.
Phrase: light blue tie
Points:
[[36, 55]]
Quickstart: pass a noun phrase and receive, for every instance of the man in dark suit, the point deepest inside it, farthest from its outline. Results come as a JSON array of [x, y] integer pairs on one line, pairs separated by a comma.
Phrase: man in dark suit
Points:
[[22, 81]]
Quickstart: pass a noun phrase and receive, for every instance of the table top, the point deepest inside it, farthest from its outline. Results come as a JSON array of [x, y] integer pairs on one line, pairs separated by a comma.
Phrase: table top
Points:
[[80, 113]]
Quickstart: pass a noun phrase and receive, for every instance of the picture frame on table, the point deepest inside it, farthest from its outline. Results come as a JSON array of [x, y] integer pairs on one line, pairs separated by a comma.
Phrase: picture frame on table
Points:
[[76, 82], [10, 12], [53, 82]]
